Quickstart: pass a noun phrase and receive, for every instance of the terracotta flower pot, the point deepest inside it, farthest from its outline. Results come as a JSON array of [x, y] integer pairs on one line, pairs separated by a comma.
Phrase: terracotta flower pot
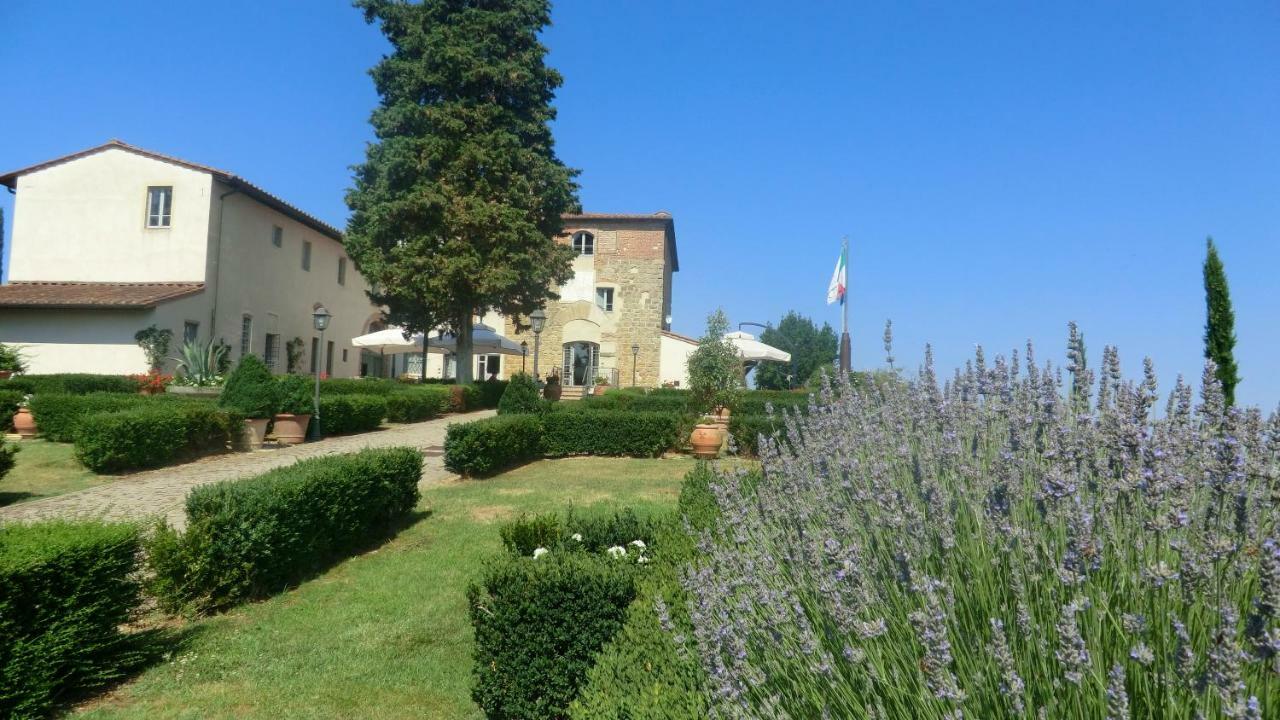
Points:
[[291, 429], [24, 423], [5, 374], [600, 390], [706, 440], [255, 429]]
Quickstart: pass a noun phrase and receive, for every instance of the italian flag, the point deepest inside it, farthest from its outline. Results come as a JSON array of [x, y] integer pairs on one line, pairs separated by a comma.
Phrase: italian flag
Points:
[[839, 279]]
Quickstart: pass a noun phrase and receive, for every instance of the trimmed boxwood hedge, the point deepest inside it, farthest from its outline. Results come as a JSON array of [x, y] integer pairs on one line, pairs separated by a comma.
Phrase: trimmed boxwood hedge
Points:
[[342, 414], [622, 400], [154, 434], [252, 538], [610, 432], [65, 590], [484, 447], [9, 400], [538, 625], [747, 429], [57, 414], [70, 384], [360, 386], [414, 404]]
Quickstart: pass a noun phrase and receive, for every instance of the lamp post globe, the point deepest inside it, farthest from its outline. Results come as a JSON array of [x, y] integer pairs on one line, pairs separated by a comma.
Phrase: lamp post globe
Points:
[[635, 355], [320, 318], [524, 353], [537, 321]]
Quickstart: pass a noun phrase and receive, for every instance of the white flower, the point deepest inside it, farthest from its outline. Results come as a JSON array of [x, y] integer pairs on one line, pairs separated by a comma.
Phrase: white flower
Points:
[[577, 536], [642, 559], [540, 552], [616, 551], [638, 543]]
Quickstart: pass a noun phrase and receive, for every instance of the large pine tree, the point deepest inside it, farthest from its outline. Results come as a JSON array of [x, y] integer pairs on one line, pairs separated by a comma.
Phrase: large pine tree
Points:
[[456, 208], [1220, 323]]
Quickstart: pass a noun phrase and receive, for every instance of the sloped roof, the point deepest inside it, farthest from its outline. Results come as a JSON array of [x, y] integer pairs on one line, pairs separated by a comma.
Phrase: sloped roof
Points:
[[10, 179], [93, 295]]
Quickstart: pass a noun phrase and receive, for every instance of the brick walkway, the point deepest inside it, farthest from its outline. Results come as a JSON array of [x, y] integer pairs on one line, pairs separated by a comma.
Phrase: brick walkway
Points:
[[161, 492]]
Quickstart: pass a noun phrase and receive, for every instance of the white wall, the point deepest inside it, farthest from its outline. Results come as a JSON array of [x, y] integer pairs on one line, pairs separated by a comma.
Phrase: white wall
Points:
[[268, 283], [85, 220], [674, 360]]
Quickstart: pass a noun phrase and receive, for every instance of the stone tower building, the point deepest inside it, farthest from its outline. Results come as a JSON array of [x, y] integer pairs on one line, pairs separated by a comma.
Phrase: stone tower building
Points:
[[610, 317]]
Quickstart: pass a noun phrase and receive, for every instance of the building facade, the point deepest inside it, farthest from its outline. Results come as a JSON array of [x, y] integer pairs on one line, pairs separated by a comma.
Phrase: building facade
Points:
[[609, 319], [113, 239]]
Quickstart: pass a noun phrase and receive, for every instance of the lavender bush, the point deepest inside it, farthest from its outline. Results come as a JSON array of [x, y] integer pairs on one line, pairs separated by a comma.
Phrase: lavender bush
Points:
[[1008, 544]]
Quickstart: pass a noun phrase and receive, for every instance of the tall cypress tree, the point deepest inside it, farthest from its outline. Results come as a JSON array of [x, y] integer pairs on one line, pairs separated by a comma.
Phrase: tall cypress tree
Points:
[[1, 243], [457, 205], [1220, 323]]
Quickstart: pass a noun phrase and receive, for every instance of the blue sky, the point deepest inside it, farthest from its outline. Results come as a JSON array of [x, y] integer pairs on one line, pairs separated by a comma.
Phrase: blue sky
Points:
[[1000, 168]]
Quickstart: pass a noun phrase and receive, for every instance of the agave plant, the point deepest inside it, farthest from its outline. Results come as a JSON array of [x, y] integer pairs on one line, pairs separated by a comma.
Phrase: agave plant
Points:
[[199, 365]]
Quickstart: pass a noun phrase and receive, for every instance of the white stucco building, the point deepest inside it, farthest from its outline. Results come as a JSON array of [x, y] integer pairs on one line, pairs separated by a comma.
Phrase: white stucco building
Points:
[[113, 239]]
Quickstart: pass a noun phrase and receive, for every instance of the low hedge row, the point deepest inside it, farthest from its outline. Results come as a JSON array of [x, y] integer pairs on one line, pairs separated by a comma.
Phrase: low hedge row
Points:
[[747, 429], [620, 400], [642, 673], [154, 434], [539, 623], [342, 414], [484, 447], [252, 538], [417, 403], [610, 432], [58, 415], [575, 531], [70, 384], [360, 386], [65, 590], [488, 446]]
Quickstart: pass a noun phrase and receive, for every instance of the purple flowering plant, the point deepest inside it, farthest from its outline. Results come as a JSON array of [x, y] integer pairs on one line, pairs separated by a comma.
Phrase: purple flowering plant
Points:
[[1012, 542]]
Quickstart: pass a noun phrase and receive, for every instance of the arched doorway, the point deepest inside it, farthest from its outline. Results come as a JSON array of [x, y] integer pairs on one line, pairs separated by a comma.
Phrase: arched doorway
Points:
[[581, 364]]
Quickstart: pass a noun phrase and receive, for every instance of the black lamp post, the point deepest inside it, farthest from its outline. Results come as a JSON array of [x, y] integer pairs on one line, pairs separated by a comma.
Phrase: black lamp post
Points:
[[635, 353], [538, 321], [320, 318], [524, 352]]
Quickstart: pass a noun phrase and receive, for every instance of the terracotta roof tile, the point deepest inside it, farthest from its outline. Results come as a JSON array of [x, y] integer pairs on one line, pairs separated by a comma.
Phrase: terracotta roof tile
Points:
[[92, 295]]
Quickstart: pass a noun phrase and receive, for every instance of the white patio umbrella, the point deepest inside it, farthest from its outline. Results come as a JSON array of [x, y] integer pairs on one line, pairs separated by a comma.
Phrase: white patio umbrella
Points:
[[752, 350], [389, 340], [484, 340]]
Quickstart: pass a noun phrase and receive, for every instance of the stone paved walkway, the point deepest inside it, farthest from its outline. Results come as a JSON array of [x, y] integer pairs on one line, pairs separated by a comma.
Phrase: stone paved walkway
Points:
[[161, 492]]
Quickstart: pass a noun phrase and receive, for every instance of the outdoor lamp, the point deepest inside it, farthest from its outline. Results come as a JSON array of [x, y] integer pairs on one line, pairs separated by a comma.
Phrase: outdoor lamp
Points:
[[537, 320], [321, 318], [524, 352], [635, 353]]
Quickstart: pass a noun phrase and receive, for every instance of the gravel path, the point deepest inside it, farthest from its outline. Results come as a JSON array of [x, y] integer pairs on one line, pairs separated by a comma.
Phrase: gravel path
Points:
[[161, 492]]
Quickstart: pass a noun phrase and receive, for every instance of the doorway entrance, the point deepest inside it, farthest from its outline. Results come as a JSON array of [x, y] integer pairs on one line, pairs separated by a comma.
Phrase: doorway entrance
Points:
[[581, 364]]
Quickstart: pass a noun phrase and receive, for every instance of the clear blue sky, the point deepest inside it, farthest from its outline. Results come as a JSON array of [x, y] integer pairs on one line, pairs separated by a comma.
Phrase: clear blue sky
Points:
[[1000, 168]]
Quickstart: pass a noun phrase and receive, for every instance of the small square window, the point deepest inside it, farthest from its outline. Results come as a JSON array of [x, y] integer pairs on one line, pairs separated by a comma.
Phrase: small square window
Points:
[[271, 353], [342, 271], [159, 206], [277, 236], [344, 354], [604, 298], [306, 256], [190, 331]]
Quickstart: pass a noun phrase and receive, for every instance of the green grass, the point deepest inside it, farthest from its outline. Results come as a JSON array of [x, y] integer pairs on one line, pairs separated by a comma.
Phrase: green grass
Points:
[[44, 469], [383, 635]]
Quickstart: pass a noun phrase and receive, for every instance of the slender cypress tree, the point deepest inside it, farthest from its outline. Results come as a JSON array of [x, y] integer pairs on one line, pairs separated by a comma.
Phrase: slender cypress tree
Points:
[[1220, 322], [1, 243], [457, 205]]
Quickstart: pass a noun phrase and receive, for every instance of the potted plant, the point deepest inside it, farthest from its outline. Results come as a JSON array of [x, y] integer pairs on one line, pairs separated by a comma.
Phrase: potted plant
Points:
[[715, 379], [198, 369], [552, 389], [296, 406], [11, 361], [252, 391], [602, 385], [24, 423]]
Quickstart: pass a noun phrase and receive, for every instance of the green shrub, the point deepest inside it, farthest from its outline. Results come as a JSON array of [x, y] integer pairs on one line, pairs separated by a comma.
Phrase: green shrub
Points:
[[597, 531], [342, 414], [155, 434], [538, 624], [487, 394], [251, 389], [610, 432], [484, 447], [414, 404], [521, 396], [297, 394], [58, 415], [71, 384], [252, 538], [747, 429], [7, 459], [9, 400], [757, 402], [621, 400], [359, 386], [65, 590]]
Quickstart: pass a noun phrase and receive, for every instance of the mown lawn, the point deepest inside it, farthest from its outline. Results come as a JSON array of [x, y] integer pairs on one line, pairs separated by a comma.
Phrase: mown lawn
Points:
[[383, 635], [43, 469]]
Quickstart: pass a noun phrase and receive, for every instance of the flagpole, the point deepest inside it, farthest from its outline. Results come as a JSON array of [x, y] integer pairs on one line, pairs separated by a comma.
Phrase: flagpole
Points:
[[845, 346]]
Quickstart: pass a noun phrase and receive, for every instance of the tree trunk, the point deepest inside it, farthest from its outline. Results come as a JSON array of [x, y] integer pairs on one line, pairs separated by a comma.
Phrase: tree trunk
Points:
[[465, 327]]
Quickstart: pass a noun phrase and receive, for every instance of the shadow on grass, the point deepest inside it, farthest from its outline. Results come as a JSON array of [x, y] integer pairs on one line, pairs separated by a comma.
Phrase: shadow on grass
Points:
[[137, 652], [9, 498]]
